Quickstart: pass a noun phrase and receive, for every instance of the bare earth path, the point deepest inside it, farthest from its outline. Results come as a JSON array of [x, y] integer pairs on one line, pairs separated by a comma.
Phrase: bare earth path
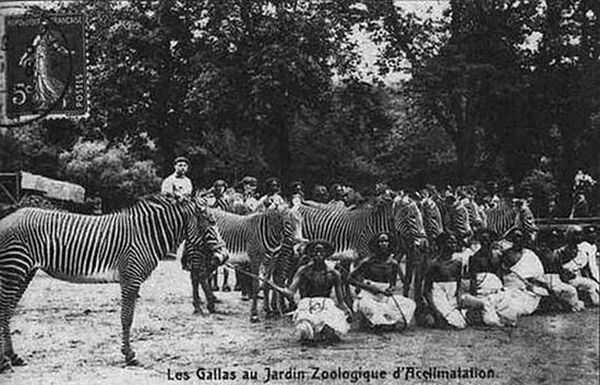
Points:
[[70, 334]]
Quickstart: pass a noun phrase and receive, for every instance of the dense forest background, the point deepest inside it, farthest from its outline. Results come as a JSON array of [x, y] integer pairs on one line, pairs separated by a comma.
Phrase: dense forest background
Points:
[[505, 90]]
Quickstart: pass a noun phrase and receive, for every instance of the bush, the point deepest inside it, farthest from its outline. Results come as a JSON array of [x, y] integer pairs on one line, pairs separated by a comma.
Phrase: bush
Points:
[[110, 172]]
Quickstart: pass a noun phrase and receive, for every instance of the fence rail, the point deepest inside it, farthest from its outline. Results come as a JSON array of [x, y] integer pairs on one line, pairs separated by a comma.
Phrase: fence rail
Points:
[[562, 223]]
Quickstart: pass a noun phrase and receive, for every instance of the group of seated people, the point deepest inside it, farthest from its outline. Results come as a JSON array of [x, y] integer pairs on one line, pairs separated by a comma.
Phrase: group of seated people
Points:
[[492, 282]]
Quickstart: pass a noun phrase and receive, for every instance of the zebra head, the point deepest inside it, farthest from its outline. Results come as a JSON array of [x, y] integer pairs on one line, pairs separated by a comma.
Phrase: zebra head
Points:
[[408, 222], [203, 236], [294, 221]]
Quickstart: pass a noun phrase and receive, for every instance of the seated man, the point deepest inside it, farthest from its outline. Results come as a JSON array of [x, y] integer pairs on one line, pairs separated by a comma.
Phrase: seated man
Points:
[[524, 285], [377, 275], [555, 276], [273, 198], [523, 279], [317, 317], [578, 258], [484, 282], [442, 282]]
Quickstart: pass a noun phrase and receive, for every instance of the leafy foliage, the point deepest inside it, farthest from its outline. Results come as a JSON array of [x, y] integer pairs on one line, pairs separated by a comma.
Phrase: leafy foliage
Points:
[[109, 172], [273, 88]]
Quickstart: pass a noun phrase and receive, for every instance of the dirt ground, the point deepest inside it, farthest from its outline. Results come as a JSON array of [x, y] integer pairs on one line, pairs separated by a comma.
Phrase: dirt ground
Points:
[[70, 334]]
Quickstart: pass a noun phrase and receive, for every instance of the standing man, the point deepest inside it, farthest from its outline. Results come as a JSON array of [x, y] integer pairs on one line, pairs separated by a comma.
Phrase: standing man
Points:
[[217, 200], [247, 202], [297, 196], [273, 198], [320, 194], [178, 183], [338, 195]]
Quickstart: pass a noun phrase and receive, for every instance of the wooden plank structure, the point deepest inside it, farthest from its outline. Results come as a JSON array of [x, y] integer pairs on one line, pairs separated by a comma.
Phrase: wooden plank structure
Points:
[[14, 186], [24, 189], [564, 223], [10, 187]]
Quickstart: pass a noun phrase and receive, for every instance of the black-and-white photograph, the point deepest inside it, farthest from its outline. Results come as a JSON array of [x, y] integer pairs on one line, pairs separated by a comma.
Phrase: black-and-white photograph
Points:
[[299, 192]]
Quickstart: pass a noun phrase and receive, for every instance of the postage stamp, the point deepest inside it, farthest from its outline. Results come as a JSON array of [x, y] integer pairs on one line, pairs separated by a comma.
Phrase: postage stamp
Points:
[[45, 66]]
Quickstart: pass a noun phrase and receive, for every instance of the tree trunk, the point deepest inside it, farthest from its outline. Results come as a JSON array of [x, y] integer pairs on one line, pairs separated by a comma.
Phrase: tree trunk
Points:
[[277, 147], [465, 141]]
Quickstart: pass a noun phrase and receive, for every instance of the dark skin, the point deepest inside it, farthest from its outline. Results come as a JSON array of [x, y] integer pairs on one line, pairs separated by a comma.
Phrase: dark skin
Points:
[[381, 267], [482, 262], [316, 279], [444, 269]]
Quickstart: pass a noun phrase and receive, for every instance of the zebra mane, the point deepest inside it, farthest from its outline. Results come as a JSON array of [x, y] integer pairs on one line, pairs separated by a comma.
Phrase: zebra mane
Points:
[[324, 206], [273, 213], [162, 200]]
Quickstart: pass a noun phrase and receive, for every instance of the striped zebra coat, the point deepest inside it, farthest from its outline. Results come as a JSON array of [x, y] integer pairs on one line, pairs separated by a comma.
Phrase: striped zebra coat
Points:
[[263, 239], [123, 247], [351, 230], [504, 217]]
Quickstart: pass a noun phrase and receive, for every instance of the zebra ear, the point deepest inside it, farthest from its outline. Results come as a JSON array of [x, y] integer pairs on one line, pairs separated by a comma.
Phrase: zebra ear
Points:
[[201, 200]]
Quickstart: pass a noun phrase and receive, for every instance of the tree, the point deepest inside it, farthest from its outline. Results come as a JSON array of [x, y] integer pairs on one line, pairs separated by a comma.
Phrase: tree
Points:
[[264, 63], [110, 172], [476, 86], [567, 79]]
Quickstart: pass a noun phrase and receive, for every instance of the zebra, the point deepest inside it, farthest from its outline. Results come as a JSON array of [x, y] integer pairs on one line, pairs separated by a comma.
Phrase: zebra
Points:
[[410, 228], [476, 220], [432, 218], [504, 217], [257, 238], [456, 217], [122, 247]]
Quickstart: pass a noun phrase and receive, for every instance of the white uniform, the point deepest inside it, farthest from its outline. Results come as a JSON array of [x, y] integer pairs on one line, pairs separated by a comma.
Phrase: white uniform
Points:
[[180, 186], [585, 258]]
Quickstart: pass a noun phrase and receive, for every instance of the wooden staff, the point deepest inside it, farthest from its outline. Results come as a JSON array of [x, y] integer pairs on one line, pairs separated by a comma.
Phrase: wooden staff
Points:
[[273, 285]]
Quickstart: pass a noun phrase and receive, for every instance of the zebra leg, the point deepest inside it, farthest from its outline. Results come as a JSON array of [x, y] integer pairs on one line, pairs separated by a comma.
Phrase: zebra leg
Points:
[[344, 269], [195, 278], [245, 282], [9, 298], [211, 299], [238, 281], [419, 272], [215, 280], [267, 305], [225, 286], [129, 294], [408, 276], [268, 301], [253, 285], [278, 300]]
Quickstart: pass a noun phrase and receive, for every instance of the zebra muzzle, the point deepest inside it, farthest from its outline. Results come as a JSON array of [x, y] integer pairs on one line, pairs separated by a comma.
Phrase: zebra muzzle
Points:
[[221, 257]]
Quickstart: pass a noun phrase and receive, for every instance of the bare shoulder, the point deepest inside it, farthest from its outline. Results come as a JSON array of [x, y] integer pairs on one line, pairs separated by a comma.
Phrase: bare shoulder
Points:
[[334, 273], [304, 269], [392, 261], [361, 264]]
